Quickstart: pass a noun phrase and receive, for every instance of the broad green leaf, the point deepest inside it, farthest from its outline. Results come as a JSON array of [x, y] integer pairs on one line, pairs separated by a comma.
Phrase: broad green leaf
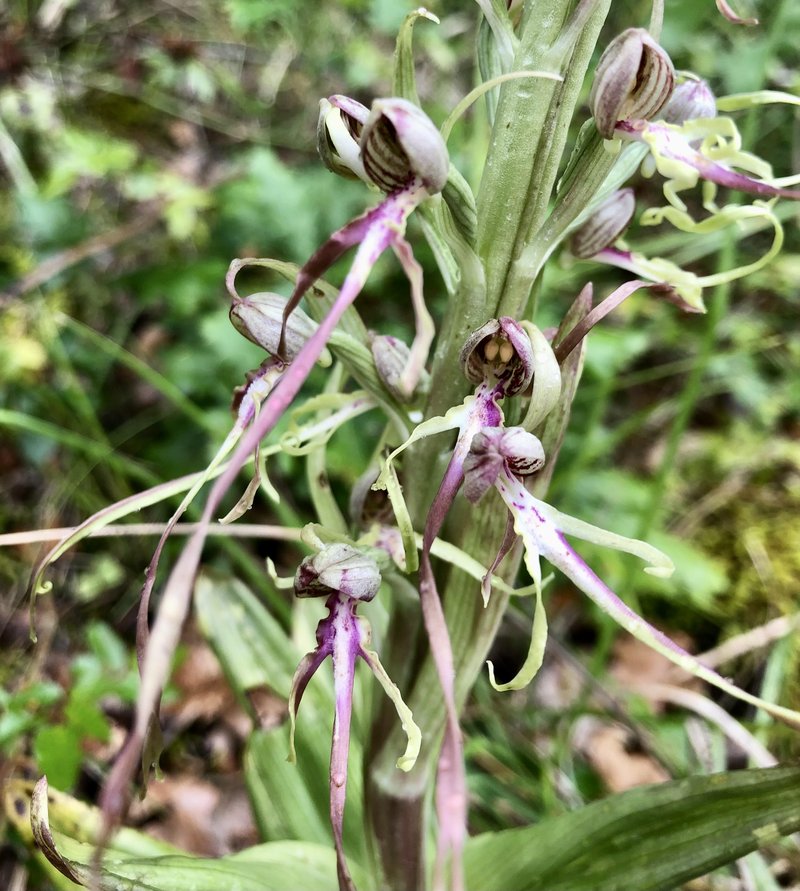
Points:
[[653, 838], [275, 866], [252, 647], [66, 830]]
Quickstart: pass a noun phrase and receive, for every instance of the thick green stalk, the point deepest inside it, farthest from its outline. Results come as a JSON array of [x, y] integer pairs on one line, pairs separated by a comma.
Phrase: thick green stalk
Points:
[[519, 175], [513, 149], [550, 152]]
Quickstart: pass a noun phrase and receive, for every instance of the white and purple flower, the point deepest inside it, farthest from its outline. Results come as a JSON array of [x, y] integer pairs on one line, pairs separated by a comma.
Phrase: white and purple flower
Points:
[[346, 577]]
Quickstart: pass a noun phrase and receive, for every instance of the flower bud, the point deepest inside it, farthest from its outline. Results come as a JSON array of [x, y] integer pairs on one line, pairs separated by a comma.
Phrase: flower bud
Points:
[[338, 568], [691, 100], [605, 225], [499, 350], [259, 318], [399, 142], [391, 357], [341, 121], [492, 449], [633, 81]]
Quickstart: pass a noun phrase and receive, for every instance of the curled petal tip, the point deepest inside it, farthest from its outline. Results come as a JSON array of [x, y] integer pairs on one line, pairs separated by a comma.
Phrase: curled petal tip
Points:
[[339, 127], [727, 10]]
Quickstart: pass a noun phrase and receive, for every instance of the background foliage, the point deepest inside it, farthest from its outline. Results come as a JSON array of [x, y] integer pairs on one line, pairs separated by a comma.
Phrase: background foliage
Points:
[[143, 147]]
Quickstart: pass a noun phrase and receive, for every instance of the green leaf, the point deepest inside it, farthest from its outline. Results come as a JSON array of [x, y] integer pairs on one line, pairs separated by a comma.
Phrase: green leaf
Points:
[[403, 80], [651, 838], [66, 832], [58, 754], [252, 647], [275, 866], [85, 717]]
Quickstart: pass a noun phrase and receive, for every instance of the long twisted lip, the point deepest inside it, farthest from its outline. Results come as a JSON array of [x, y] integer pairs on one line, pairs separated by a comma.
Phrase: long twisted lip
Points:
[[668, 142]]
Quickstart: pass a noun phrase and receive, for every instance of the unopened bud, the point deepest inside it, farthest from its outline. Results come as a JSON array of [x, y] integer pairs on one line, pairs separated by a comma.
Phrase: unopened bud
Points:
[[400, 142], [338, 568], [497, 447], [259, 318], [339, 127], [391, 357], [633, 81], [605, 225], [691, 100], [499, 350]]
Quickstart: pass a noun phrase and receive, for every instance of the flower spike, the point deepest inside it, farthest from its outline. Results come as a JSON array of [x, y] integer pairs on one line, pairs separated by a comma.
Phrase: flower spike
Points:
[[377, 230]]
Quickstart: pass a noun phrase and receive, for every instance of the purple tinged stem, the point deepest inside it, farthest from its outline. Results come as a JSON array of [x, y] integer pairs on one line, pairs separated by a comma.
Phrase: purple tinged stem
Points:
[[346, 645], [451, 785], [595, 315]]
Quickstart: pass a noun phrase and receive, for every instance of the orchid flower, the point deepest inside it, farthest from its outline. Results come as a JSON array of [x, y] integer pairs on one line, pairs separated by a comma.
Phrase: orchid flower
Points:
[[598, 240], [346, 577], [399, 150], [500, 458], [689, 144], [714, 160], [634, 99]]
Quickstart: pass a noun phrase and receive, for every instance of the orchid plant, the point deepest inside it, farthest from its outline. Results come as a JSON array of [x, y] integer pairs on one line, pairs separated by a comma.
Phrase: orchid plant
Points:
[[490, 360]]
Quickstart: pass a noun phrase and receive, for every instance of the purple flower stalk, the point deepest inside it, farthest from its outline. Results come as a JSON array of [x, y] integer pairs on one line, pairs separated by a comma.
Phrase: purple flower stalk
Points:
[[346, 577]]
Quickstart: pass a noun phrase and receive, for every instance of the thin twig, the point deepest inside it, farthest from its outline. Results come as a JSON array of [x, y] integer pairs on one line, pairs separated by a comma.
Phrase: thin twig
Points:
[[236, 530], [63, 260], [755, 639], [708, 709]]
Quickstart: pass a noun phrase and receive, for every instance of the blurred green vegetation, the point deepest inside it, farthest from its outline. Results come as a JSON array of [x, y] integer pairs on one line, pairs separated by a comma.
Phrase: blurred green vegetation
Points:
[[143, 146]]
